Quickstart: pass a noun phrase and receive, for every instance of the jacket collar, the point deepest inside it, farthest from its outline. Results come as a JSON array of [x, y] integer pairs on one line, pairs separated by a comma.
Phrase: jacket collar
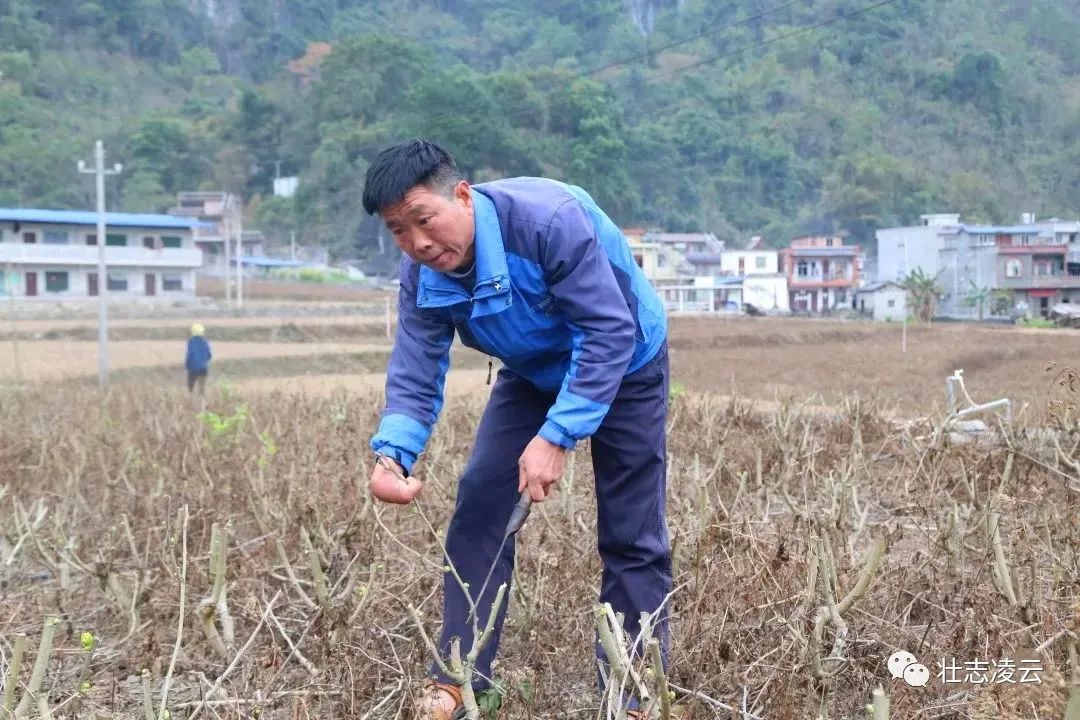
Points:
[[492, 290]]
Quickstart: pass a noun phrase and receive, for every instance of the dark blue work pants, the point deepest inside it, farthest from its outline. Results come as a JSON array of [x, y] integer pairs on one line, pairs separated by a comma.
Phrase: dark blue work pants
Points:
[[629, 462]]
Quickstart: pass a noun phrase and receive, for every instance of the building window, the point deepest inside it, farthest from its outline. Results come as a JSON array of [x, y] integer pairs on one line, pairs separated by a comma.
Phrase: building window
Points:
[[54, 237], [168, 241], [56, 282], [661, 261], [891, 302], [759, 262], [172, 281], [1014, 268], [1044, 267], [803, 268], [118, 281], [116, 240], [91, 239]]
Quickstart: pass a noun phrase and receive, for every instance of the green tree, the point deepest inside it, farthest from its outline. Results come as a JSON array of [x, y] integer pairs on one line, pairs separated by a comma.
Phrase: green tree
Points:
[[979, 80], [978, 297], [923, 293], [164, 148]]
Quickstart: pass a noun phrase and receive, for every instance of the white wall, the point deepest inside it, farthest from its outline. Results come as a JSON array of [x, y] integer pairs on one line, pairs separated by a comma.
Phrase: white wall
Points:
[[729, 262], [767, 292], [76, 234], [922, 246], [78, 260], [79, 282], [877, 303]]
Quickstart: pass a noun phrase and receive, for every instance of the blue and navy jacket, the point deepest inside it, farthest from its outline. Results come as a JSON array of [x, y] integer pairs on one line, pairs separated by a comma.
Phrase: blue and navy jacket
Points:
[[198, 354], [558, 298]]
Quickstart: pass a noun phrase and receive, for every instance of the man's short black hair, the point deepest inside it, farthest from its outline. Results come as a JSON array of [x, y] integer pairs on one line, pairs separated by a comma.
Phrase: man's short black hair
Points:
[[402, 167]]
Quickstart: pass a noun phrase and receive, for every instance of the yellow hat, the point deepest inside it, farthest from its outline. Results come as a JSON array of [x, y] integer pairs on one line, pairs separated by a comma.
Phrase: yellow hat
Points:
[[197, 329]]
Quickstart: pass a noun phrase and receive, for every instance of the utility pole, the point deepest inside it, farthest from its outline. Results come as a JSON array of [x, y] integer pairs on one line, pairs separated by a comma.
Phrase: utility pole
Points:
[[9, 288], [240, 255], [907, 272], [103, 280], [226, 233]]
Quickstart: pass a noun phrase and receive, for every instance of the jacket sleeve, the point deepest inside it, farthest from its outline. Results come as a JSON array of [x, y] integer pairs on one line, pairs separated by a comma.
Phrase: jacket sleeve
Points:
[[414, 380], [580, 276]]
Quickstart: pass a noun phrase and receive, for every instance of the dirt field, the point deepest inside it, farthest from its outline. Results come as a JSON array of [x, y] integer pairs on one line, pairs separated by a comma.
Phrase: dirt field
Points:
[[821, 361], [23, 327], [263, 289], [814, 362], [51, 360]]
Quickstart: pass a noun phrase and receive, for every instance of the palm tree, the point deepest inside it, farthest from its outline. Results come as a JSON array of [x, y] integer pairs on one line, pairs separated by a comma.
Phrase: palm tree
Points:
[[977, 297], [923, 292]]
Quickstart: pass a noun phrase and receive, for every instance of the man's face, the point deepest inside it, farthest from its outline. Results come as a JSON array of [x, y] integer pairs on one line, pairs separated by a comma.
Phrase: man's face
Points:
[[432, 229]]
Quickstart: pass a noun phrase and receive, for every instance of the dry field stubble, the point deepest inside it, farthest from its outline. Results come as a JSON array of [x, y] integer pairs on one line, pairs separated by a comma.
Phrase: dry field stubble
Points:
[[772, 516], [824, 361]]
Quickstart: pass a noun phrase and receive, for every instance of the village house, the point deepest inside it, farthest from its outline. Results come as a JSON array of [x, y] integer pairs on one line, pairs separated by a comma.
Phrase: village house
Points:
[[694, 254], [754, 260], [761, 282], [53, 255], [1037, 263], [885, 300], [692, 272], [822, 273], [220, 218]]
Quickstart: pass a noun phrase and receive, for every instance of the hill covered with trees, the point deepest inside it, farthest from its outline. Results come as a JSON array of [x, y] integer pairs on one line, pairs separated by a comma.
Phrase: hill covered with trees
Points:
[[757, 117]]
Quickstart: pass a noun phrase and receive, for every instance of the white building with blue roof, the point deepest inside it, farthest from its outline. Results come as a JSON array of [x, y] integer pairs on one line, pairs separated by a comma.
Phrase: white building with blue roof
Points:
[[53, 255]]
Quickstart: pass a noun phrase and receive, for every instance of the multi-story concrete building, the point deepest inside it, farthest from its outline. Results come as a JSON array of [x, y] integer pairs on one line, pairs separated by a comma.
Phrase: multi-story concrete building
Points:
[[53, 255], [731, 293], [695, 254], [822, 273], [1038, 263], [661, 261], [220, 216], [1041, 269], [692, 272], [750, 262]]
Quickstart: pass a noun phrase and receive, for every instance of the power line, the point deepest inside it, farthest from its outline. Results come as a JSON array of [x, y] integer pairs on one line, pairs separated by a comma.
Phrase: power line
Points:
[[750, 46], [683, 41], [565, 79], [785, 36], [562, 81]]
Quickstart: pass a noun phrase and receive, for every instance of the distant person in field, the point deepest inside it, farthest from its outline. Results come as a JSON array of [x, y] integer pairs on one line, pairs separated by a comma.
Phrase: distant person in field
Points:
[[531, 271], [198, 358]]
